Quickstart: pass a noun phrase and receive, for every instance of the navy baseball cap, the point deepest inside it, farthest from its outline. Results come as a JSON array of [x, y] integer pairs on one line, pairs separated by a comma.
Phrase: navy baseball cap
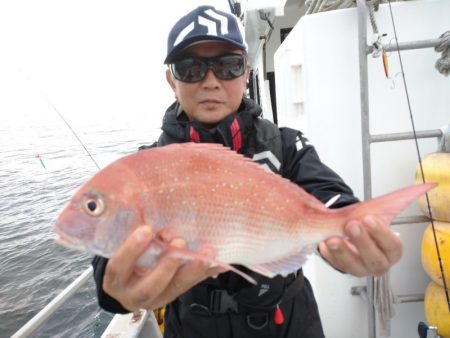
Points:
[[205, 23]]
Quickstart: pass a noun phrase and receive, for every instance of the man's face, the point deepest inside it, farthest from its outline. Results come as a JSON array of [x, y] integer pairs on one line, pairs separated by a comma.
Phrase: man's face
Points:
[[209, 100]]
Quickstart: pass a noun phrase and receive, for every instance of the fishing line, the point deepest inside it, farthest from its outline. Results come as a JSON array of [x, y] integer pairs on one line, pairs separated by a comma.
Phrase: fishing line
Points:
[[419, 156], [50, 103], [71, 129]]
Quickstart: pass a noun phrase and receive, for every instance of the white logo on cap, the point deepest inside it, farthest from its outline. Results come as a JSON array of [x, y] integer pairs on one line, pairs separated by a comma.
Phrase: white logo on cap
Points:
[[183, 33], [223, 22], [208, 23]]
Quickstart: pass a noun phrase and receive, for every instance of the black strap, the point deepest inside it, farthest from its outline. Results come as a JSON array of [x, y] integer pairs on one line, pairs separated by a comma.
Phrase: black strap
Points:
[[293, 288], [213, 301], [203, 300]]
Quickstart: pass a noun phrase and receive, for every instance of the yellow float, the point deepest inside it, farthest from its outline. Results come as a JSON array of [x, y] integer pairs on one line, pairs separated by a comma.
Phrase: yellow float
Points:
[[436, 309], [430, 260], [436, 167]]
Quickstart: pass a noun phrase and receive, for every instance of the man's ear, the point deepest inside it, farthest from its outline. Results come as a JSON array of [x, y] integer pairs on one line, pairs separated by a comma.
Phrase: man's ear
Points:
[[247, 73], [170, 79], [246, 79]]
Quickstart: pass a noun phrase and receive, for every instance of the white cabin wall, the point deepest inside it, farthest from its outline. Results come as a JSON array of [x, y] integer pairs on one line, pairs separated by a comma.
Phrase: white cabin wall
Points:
[[318, 92], [290, 18], [261, 59]]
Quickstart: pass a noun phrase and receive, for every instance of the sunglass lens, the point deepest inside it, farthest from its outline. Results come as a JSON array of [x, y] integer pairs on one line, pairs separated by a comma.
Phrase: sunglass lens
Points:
[[228, 67], [225, 67], [189, 70]]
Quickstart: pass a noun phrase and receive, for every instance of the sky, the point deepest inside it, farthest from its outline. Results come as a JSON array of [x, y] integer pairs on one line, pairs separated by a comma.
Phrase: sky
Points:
[[93, 60]]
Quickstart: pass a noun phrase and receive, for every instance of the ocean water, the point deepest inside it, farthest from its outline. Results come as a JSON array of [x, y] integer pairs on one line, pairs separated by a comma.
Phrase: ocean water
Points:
[[33, 268]]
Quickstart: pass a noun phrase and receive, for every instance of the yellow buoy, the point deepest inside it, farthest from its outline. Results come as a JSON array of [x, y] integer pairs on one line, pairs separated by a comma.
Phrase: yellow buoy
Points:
[[436, 309], [430, 261], [436, 167]]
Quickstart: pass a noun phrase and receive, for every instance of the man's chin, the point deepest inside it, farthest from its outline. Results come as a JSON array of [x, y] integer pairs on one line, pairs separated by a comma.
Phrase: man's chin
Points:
[[210, 121]]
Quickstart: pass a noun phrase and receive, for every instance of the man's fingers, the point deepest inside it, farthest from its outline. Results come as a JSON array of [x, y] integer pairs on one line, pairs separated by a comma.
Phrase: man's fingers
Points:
[[389, 243], [342, 256], [120, 266], [146, 291], [371, 254], [369, 248], [186, 276], [138, 288]]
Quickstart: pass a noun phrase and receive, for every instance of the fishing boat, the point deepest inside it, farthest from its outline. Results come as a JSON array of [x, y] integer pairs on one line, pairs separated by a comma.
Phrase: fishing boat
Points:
[[350, 75]]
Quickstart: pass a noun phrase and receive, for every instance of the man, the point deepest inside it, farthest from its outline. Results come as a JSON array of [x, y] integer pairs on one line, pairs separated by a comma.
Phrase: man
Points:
[[208, 72]]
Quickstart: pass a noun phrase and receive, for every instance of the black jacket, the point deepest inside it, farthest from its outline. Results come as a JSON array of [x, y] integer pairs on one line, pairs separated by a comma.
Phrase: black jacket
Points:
[[287, 152]]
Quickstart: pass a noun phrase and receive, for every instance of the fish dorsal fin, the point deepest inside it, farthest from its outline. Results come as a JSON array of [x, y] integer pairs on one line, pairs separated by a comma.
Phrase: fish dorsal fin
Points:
[[215, 150], [283, 266]]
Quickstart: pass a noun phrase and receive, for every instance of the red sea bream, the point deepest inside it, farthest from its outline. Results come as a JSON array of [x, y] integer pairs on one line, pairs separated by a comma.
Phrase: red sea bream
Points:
[[210, 196]]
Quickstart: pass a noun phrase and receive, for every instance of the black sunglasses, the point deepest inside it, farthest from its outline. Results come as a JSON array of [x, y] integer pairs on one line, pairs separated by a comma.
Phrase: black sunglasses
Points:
[[194, 69]]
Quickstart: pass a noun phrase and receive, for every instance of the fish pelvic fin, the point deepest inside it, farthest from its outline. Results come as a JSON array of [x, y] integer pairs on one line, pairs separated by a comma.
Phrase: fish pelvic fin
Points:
[[188, 255], [191, 255], [284, 266], [387, 206]]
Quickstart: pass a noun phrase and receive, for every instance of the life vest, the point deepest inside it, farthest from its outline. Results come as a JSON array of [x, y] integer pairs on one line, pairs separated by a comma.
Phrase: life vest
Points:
[[259, 139]]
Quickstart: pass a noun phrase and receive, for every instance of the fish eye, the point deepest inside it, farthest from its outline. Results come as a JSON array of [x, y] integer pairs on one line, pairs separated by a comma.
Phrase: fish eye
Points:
[[94, 206]]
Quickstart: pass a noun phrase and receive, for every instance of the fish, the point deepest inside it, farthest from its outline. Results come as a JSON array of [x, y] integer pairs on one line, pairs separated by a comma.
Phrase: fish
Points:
[[212, 197]]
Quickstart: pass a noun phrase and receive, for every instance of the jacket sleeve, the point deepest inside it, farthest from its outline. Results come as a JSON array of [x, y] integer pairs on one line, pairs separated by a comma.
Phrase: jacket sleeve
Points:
[[302, 165], [105, 301]]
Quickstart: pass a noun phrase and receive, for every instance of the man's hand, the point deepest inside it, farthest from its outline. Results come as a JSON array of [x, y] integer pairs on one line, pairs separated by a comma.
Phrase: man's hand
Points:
[[137, 288], [369, 249]]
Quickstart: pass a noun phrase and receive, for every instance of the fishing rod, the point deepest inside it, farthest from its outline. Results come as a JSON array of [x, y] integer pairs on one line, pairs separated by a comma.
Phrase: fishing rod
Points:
[[430, 213], [50, 103]]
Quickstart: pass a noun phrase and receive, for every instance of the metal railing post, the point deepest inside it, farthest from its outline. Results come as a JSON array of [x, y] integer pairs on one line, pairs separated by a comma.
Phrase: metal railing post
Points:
[[54, 305], [365, 135]]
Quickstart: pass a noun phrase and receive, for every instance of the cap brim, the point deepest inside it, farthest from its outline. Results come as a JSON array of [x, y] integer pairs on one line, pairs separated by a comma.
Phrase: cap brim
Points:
[[199, 40]]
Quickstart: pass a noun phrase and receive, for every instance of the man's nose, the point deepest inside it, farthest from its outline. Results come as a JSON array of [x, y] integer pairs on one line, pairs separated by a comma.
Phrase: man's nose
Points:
[[210, 78]]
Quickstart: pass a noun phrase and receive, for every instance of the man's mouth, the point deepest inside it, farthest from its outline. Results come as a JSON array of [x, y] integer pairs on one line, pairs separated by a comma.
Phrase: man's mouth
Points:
[[210, 101]]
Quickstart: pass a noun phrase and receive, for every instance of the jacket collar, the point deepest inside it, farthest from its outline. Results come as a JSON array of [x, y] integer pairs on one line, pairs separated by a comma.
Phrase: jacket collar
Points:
[[232, 132]]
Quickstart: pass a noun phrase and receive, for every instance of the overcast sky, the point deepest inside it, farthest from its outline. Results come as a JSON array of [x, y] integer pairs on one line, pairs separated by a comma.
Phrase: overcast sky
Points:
[[96, 60]]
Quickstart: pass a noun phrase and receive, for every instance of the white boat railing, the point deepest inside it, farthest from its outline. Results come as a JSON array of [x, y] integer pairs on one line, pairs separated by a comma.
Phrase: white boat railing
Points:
[[42, 316], [132, 325]]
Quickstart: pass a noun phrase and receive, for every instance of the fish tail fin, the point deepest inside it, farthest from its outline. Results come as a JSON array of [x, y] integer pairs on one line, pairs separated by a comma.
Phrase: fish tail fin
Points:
[[388, 206]]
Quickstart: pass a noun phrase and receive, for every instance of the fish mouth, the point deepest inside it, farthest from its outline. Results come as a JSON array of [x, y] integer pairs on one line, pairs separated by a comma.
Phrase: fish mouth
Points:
[[67, 241]]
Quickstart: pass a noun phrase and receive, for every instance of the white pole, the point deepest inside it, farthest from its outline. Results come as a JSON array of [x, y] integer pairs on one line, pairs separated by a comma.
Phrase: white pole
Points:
[[51, 307]]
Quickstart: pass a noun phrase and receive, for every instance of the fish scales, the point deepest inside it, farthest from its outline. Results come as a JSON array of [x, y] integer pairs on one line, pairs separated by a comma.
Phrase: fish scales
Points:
[[231, 203], [211, 196]]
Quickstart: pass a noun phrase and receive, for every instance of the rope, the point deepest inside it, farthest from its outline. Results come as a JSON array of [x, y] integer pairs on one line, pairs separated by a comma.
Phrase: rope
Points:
[[443, 63], [372, 5], [384, 300]]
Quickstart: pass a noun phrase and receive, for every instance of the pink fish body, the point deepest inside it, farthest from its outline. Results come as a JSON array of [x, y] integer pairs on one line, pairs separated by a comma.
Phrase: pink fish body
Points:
[[210, 196]]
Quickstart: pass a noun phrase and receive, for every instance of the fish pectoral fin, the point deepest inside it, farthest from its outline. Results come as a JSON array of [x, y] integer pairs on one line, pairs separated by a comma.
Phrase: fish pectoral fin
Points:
[[283, 266]]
